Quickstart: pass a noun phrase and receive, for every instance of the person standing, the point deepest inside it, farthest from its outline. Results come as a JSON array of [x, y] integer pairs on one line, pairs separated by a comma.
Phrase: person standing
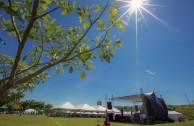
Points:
[[106, 122]]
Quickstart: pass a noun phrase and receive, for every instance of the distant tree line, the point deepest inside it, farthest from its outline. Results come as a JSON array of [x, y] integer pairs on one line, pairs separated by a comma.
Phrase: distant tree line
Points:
[[29, 104]]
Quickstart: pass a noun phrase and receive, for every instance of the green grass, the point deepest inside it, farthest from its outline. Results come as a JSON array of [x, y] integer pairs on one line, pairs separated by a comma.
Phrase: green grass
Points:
[[31, 120]]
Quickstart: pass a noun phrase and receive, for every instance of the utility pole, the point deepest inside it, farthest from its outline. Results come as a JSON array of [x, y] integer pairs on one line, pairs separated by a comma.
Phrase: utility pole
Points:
[[187, 99]]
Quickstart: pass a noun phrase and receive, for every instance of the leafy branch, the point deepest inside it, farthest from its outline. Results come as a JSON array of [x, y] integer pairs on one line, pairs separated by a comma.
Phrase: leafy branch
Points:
[[49, 65], [13, 22], [54, 45]]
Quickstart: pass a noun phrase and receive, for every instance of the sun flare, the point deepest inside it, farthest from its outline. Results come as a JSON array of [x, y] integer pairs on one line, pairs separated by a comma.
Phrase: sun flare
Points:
[[137, 9], [136, 4]]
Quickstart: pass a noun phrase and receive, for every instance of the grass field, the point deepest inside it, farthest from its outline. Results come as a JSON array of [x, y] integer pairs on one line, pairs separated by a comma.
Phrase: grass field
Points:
[[31, 120]]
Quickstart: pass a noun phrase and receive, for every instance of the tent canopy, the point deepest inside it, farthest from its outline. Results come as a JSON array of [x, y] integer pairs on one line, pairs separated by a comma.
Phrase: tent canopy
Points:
[[99, 108], [30, 111], [86, 108], [114, 110], [3, 107], [66, 106], [174, 112], [175, 116]]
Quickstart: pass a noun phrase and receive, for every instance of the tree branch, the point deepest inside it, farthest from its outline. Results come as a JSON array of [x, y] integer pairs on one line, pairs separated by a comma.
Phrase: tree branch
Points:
[[21, 46], [55, 63], [42, 48], [32, 20], [65, 57], [4, 79], [47, 66], [48, 12], [13, 22], [87, 30], [37, 63], [90, 49]]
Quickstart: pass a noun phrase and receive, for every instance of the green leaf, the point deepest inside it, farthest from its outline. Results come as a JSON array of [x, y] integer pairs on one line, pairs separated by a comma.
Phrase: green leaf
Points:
[[81, 12], [57, 70], [89, 7], [85, 25], [107, 59], [119, 43], [87, 46], [87, 14], [80, 19], [83, 75], [100, 22], [9, 29], [121, 26], [24, 58], [98, 9], [98, 38], [47, 2], [100, 28], [71, 69], [53, 22], [64, 12], [62, 69], [91, 66], [74, 4], [43, 6], [113, 51], [90, 61], [113, 13], [65, 66]]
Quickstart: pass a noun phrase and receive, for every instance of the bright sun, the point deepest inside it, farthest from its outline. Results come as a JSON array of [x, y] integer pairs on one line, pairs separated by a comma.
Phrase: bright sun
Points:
[[137, 8], [136, 4]]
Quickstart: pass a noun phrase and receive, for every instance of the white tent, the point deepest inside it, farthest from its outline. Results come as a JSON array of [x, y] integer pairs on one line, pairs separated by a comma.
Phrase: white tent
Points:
[[175, 116], [99, 108], [114, 110], [30, 111], [85, 108], [66, 106]]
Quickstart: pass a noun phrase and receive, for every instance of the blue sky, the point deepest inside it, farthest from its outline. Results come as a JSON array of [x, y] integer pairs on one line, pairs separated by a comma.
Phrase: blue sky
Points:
[[163, 61]]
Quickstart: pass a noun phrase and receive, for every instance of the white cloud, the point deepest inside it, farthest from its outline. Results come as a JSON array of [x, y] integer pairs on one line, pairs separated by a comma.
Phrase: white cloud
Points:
[[151, 74]]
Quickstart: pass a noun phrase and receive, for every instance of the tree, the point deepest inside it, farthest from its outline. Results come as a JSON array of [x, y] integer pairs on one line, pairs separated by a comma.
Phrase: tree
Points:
[[54, 45], [14, 105], [48, 107], [32, 104], [16, 92]]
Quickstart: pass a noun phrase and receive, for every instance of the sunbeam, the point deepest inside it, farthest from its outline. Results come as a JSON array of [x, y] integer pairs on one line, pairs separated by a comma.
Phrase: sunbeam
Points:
[[138, 8]]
